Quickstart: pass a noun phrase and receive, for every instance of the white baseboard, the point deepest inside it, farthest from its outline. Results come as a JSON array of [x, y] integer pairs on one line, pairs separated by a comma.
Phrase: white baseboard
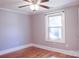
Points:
[[14, 49], [68, 52]]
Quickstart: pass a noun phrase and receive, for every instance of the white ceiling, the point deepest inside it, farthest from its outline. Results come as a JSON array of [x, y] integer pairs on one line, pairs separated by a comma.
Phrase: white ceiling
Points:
[[13, 5]]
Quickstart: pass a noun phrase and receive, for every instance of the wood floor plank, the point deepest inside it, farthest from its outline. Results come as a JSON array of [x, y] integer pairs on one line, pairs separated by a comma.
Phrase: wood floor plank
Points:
[[33, 52]]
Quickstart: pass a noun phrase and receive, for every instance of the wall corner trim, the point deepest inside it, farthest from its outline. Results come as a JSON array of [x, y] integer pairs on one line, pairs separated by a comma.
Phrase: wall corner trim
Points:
[[14, 49], [68, 52]]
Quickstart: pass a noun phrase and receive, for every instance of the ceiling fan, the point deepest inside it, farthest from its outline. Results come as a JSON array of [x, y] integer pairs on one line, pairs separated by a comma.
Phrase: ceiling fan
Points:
[[35, 4]]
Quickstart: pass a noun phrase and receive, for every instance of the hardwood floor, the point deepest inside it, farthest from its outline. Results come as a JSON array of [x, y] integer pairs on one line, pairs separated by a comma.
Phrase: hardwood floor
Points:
[[33, 52]]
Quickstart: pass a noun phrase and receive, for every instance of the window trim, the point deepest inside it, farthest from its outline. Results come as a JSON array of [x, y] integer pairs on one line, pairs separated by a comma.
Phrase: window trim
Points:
[[62, 40]]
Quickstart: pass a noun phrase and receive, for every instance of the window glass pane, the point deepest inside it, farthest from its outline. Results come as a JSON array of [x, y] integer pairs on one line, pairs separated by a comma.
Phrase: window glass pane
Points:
[[55, 21], [55, 33]]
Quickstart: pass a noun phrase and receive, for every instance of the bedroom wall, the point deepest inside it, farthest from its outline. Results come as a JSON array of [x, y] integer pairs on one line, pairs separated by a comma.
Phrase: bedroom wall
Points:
[[14, 29], [71, 19], [78, 29]]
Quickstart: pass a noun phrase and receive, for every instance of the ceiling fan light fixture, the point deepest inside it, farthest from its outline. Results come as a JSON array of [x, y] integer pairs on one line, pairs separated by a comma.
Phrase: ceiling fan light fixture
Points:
[[34, 7]]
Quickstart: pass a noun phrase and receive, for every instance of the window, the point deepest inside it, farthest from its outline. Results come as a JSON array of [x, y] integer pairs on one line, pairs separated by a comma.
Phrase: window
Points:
[[55, 27]]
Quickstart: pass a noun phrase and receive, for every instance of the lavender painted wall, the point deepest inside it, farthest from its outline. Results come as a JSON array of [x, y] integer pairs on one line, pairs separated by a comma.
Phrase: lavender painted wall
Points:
[[14, 29], [71, 19], [78, 29]]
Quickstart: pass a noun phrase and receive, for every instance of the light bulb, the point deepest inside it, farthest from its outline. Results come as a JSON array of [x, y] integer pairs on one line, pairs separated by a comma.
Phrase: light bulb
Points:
[[34, 7]]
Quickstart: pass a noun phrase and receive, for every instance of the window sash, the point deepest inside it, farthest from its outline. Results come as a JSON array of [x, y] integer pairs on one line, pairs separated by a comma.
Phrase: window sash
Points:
[[57, 32], [56, 27], [56, 15]]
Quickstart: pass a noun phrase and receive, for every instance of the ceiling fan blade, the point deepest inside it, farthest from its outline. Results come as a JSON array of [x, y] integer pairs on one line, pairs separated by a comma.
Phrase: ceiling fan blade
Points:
[[44, 0], [27, 0], [23, 6], [45, 6]]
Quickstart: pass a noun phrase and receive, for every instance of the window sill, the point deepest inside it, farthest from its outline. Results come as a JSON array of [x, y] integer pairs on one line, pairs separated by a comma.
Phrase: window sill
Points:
[[56, 41]]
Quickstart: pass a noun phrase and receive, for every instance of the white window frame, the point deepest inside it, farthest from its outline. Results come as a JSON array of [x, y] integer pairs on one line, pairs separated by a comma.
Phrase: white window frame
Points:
[[62, 40]]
